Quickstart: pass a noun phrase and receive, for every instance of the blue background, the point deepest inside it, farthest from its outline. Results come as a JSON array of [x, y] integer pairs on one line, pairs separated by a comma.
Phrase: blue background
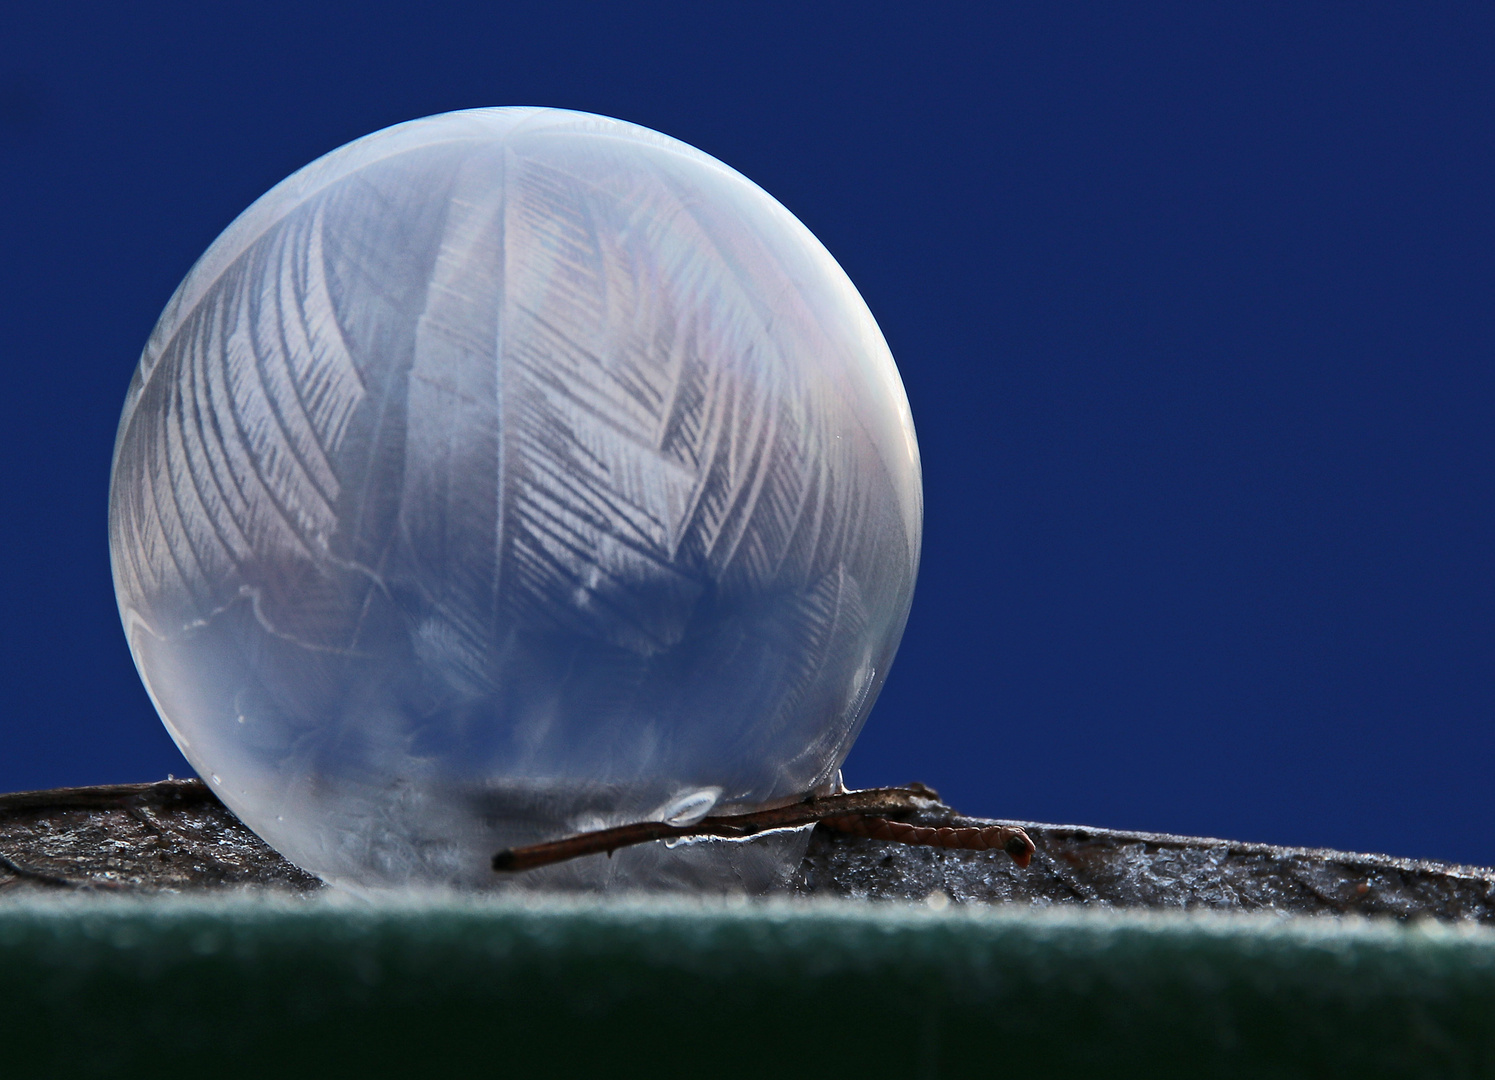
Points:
[[1193, 307]]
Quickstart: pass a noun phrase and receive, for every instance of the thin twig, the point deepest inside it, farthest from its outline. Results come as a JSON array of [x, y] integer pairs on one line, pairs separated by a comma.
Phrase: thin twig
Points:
[[870, 805], [1008, 838]]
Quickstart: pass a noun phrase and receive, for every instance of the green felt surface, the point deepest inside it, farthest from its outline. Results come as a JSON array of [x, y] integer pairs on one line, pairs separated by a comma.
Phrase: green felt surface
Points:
[[250, 988]]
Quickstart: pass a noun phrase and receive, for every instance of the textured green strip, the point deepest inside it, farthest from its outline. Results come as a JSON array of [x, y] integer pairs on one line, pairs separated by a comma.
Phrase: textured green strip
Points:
[[241, 988]]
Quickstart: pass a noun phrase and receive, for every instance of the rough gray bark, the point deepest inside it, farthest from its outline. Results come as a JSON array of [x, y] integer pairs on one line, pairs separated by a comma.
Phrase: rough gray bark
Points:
[[175, 837], [1111, 868], [171, 836]]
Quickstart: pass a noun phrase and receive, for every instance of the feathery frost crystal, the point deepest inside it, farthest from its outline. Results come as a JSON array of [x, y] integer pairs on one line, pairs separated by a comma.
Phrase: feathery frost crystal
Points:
[[510, 473]]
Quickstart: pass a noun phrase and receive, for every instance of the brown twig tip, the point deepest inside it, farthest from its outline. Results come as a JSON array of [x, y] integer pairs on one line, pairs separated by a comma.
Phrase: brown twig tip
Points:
[[1006, 838], [858, 812], [1020, 847]]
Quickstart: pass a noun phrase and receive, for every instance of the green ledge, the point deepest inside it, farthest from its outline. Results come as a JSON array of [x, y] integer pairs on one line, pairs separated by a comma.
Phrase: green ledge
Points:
[[226, 987]]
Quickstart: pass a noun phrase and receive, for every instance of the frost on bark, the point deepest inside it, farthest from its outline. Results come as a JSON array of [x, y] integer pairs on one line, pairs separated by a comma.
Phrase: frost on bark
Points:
[[175, 837]]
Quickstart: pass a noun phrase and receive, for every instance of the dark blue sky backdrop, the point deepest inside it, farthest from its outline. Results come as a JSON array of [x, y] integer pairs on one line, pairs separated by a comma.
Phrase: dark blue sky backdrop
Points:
[[1193, 305]]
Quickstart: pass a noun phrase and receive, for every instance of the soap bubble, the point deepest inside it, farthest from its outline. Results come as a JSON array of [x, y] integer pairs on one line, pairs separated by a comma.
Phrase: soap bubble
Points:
[[505, 474]]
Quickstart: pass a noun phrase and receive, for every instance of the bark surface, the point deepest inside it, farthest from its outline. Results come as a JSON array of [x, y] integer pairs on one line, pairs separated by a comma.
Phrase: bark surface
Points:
[[175, 837]]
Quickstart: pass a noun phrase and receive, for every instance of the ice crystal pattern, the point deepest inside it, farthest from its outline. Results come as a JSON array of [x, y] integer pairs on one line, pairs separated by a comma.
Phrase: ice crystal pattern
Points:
[[507, 472]]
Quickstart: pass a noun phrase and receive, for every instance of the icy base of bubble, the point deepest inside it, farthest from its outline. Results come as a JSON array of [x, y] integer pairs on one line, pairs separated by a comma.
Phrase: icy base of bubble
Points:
[[376, 837]]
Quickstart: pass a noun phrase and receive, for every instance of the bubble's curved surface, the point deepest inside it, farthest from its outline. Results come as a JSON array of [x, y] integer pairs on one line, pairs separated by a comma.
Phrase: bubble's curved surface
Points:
[[505, 473]]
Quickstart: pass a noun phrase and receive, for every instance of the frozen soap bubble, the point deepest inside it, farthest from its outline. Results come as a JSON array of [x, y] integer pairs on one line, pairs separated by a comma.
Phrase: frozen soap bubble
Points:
[[505, 474]]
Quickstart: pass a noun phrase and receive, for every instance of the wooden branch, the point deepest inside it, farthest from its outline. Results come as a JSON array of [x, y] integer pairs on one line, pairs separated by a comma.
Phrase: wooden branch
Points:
[[1008, 838], [851, 811]]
